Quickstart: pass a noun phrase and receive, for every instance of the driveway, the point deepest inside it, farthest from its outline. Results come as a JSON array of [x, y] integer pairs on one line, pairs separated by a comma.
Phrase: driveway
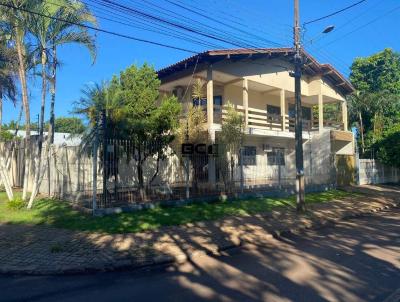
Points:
[[357, 260]]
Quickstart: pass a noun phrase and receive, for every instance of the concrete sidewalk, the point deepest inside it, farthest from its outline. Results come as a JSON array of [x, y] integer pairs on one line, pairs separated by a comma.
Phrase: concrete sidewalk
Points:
[[46, 250]]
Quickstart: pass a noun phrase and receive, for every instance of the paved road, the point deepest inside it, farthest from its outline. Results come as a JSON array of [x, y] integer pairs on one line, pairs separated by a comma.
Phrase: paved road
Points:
[[358, 260]]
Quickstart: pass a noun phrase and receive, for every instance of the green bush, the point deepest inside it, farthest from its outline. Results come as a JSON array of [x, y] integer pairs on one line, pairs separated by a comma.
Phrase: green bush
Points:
[[16, 204], [388, 147], [6, 136]]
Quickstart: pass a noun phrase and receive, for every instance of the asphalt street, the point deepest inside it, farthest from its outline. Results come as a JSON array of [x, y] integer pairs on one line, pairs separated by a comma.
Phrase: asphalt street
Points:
[[356, 260]]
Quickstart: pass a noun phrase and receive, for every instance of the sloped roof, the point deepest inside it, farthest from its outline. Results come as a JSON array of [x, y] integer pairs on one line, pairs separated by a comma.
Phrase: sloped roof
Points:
[[312, 66]]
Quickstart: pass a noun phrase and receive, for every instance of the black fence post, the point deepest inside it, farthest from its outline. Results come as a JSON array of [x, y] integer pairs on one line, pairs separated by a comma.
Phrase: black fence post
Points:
[[105, 163], [94, 163]]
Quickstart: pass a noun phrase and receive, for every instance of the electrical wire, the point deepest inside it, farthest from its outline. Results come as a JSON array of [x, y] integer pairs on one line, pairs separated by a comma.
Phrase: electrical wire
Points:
[[98, 29], [221, 22], [184, 27], [342, 26], [198, 24], [123, 20], [335, 13], [137, 25], [362, 26]]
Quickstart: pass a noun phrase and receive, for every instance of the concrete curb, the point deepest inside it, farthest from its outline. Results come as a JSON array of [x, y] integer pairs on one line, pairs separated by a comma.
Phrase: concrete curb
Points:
[[162, 261]]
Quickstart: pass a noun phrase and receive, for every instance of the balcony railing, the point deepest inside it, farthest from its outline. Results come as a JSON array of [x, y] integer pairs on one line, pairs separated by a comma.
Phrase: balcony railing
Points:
[[261, 119]]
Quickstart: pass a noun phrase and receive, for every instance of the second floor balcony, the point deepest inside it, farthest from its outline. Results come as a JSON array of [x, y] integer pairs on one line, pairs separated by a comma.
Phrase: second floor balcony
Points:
[[262, 119]]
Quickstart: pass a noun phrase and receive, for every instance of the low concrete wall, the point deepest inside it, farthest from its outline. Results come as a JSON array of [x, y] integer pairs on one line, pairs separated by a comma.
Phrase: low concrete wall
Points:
[[372, 171]]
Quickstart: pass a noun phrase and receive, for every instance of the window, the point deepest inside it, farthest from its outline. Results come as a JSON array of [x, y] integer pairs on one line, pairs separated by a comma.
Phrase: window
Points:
[[218, 100], [274, 110], [276, 157], [249, 155], [306, 112], [203, 102]]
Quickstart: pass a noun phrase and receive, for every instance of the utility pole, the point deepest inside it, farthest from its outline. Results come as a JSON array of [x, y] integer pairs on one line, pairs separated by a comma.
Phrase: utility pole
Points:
[[298, 62]]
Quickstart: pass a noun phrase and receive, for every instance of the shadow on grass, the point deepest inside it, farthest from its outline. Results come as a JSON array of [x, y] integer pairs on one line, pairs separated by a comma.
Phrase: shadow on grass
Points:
[[59, 214]]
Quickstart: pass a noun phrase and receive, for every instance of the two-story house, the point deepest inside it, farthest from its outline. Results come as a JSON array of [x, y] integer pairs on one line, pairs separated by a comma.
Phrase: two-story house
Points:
[[259, 85]]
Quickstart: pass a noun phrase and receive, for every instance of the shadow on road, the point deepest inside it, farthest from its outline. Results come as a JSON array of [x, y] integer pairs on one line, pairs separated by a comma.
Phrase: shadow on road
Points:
[[357, 260]]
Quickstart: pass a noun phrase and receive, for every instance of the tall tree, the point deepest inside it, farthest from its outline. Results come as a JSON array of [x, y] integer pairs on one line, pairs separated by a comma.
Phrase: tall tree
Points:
[[14, 22], [134, 112], [61, 33], [8, 90], [50, 33], [375, 106], [388, 146], [8, 70], [377, 73], [150, 122]]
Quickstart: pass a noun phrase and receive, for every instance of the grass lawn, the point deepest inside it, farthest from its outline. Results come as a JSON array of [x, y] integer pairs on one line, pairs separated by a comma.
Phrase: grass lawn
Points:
[[59, 214]]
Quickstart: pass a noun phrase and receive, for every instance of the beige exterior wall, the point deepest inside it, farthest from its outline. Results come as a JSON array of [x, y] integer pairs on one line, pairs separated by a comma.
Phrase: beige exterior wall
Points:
[[275, 73], [318, 161], [266, 81]]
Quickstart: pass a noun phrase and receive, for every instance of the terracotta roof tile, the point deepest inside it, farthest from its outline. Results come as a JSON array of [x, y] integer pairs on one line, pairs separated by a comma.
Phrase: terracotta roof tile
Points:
[[313, 66]]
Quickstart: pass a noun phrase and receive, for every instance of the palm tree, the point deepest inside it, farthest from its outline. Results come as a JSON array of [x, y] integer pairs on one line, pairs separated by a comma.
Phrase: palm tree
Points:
[[8, 91], [7, 76], [49, 34], [98, 98], [68, 33], [14, 22]]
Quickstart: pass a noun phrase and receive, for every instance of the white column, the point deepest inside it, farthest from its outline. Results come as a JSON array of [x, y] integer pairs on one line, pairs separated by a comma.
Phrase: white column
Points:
[[210, 122], [283, 109], [320, 112], [211, 163], [246, 102], [344, 116], [210, 98]]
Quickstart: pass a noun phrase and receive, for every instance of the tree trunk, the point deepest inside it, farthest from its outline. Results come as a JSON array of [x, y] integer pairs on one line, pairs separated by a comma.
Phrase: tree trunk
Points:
[[19, 120], [232, 171], [3, 171], [157, 169], [1, 109], [53, 97], [38, 167], [25, 101], [362, 133], [141, 180]]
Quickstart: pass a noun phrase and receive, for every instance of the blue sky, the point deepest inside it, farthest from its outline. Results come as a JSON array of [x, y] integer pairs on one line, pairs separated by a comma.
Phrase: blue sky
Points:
[[271, 19]]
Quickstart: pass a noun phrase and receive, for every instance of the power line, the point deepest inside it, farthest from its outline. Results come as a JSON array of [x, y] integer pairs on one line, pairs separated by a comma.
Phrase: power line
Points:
[[206, 31], [335, 13], [341, 65], [155, 18], [146, 27], [220, 22], [182, 18], [362, 26], [137, 25], [152, 18], [342, 26], [199, 25], [99, 29], [235, 19]]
